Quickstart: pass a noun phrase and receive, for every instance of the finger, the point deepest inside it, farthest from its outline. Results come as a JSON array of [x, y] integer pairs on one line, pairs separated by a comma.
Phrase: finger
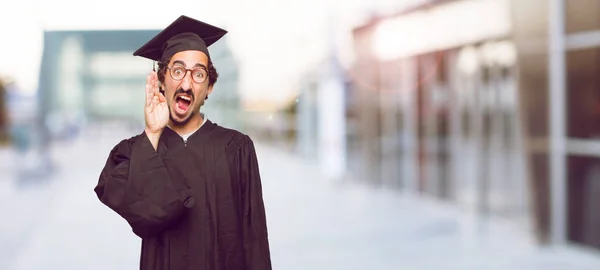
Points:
[[161, 97], [149, 92], [155, 82]]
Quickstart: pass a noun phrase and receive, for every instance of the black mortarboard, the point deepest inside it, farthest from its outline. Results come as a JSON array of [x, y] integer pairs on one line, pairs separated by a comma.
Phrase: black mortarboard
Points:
[[183, 34]]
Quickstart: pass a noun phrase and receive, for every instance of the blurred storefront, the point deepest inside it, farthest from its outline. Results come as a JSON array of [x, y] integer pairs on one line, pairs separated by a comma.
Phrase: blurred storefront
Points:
[[460, 100]]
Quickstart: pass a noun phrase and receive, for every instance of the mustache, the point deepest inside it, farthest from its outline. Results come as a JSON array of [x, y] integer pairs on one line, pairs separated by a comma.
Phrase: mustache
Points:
[[186, 92]]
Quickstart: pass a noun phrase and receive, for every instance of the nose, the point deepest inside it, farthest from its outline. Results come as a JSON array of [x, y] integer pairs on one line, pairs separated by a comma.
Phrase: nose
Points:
[[186, 82]]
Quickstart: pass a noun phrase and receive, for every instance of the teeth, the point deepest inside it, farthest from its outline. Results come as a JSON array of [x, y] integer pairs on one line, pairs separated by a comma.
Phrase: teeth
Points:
[[186, 98]]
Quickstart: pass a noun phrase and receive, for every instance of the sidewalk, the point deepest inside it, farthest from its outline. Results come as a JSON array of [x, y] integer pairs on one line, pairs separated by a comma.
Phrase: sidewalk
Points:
[[314, 223], [319, 224], [22, 203]]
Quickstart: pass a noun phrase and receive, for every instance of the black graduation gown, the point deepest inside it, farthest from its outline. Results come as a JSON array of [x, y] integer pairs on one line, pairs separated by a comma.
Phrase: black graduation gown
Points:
[[196, 205]]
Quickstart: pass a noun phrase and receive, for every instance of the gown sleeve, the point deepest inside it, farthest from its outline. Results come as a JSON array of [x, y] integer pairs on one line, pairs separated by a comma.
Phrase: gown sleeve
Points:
[[136, 184], [253, 216]]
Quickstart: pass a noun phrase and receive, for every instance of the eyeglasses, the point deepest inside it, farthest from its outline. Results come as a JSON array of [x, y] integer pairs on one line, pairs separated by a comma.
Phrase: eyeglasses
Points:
[[199, 74]]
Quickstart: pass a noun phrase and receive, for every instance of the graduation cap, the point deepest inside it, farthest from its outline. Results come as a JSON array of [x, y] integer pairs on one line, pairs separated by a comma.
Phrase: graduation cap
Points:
[[183, 34]]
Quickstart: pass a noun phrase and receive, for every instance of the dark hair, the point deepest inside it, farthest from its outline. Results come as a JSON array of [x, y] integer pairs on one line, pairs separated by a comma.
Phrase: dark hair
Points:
[[212, 72]]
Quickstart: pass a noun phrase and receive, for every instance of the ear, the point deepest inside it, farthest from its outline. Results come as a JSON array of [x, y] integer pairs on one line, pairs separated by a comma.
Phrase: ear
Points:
[[210, 88]]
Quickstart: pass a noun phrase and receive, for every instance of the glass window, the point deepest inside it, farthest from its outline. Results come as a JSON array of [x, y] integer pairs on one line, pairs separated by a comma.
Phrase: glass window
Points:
[[119, 65], [583, 95], [434, 123], [583, 200], [582, 15]]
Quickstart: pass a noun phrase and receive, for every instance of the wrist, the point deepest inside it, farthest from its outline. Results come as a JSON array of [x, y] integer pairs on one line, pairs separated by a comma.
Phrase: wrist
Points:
[[154, 137], [153, 133]]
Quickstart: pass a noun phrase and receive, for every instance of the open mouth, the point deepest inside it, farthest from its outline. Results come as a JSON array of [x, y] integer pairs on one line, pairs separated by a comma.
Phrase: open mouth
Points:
[[182, 103]]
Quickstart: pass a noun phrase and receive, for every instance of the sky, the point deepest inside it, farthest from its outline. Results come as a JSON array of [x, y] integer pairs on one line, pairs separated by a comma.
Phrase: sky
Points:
[[281, 37]]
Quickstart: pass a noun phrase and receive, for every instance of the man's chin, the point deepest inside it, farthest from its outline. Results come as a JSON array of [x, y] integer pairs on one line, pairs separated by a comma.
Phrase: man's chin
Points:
[[180, 120]]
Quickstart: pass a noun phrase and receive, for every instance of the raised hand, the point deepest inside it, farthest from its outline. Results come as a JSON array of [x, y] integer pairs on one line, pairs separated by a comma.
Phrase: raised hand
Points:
[[156, 110]]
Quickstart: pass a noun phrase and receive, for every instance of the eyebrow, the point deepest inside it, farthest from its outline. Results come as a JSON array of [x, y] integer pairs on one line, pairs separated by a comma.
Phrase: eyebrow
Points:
[[195, 66]]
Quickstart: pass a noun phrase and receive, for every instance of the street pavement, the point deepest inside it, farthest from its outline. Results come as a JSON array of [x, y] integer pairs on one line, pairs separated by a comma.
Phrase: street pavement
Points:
[[56, 222]]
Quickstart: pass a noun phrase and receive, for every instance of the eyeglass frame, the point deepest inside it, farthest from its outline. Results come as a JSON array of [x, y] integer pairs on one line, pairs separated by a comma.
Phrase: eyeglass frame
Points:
[[191, 70]]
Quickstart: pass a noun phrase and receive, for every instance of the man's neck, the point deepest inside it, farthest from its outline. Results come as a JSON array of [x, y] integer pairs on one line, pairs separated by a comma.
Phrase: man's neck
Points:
[[192, 125]]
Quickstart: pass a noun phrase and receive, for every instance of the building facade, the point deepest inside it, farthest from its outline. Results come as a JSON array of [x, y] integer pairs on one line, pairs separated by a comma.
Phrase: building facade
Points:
[[491, 105]]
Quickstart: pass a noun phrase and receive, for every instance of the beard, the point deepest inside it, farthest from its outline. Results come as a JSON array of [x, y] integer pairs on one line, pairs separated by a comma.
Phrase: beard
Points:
[[183, 122]]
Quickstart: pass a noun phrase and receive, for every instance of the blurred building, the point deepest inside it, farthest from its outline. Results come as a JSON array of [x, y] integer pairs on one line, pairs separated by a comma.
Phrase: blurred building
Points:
[[224, 105], [439, 109], [472, 101], [92, 76]]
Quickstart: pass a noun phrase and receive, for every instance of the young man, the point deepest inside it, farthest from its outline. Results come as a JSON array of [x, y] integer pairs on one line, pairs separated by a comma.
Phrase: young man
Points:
[[189, 188]]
